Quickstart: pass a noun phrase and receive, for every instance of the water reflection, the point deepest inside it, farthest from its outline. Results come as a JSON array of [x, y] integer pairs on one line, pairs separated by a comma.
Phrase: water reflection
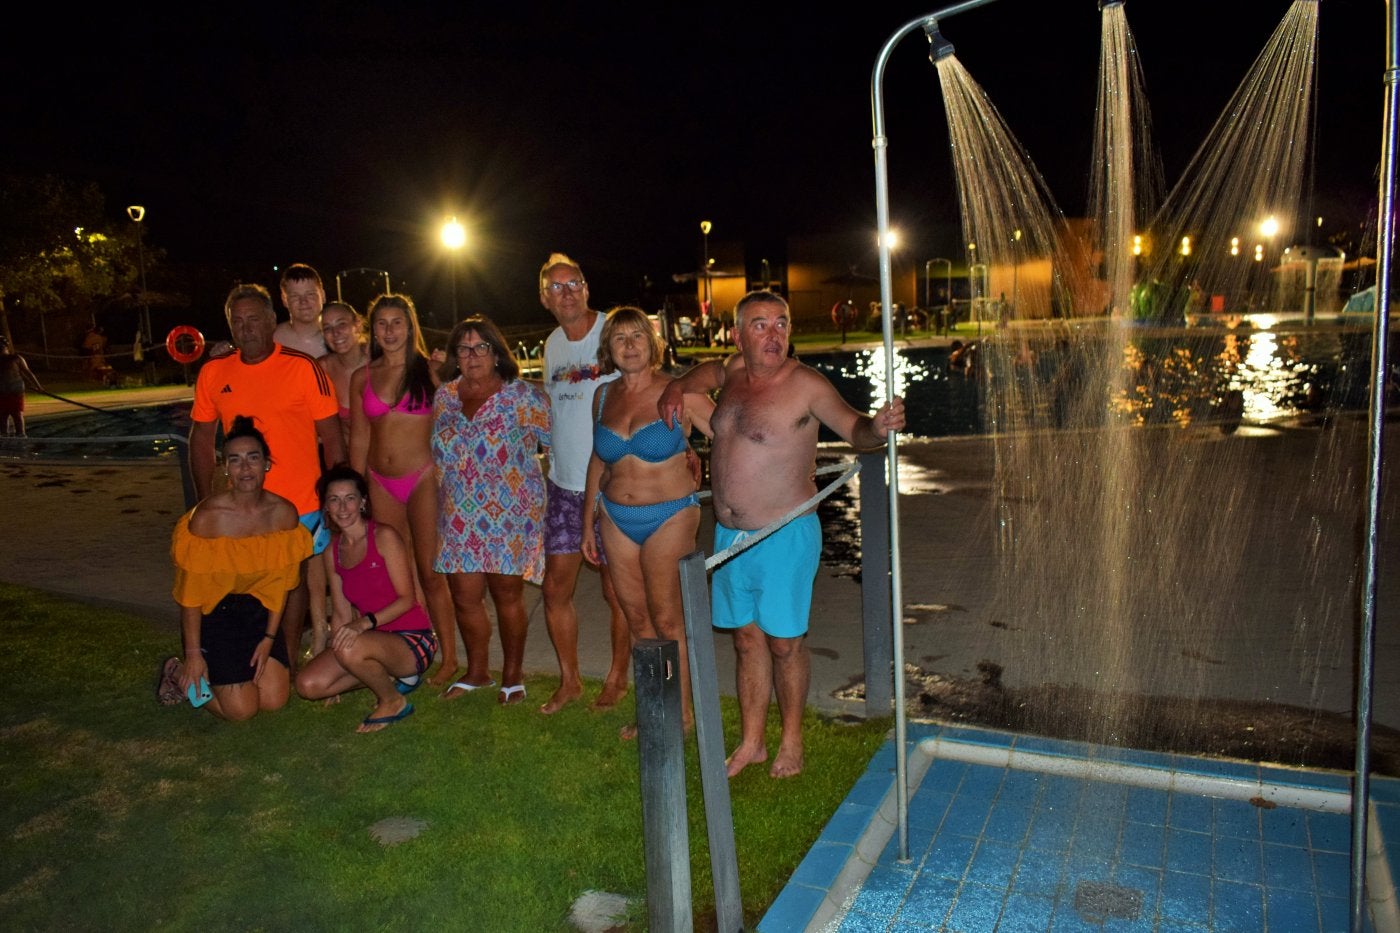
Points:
[[1115, 377]]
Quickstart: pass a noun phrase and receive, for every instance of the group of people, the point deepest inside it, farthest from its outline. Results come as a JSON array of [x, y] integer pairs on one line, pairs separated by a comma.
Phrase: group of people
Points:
[[394, 490]]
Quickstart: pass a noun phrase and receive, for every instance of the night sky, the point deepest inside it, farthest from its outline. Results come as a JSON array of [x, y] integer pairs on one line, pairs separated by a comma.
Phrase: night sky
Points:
[[342, 134]]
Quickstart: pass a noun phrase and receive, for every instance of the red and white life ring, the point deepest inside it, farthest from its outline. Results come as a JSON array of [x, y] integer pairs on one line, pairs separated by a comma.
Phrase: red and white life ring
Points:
[[192, 347], [843, 313]]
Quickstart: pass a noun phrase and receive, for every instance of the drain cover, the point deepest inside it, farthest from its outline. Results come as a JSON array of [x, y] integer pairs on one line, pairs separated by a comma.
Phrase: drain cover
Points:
[[1097, 901]]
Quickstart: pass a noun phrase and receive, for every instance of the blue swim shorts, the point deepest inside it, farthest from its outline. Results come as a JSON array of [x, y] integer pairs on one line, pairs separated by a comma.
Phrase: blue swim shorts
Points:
[[771, 582], [315, 522]]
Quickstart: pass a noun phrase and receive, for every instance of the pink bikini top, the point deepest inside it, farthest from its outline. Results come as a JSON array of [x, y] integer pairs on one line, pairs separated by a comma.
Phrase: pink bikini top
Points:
[[376, 407]]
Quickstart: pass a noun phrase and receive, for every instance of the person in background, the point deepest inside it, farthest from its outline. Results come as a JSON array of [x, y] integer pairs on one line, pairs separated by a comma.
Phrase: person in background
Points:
[[15, 377], [237, 554], [391, 424], [344, 330], [291, 401], [641, 488], [304, 296], [489, 425], [571, 375], [380, 636]]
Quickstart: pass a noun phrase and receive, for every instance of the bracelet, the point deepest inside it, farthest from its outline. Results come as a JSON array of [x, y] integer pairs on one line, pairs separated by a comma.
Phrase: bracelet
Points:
[[373, 622], [271, 635]]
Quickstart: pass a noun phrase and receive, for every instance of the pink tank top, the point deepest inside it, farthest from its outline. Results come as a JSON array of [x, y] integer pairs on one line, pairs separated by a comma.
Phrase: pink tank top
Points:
[[369, 589]]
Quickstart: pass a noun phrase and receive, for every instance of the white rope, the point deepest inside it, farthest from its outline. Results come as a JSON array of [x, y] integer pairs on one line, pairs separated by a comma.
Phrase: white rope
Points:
[[749, 540]]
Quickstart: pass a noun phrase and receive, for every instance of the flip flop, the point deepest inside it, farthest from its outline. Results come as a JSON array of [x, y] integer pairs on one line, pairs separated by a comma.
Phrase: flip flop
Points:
[[407, 685], [404, 713], [515, 693], [168, 683], [465, 687]]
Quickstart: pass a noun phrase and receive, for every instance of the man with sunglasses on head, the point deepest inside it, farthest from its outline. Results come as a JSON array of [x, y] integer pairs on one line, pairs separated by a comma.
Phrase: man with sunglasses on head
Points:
[[571, 375]]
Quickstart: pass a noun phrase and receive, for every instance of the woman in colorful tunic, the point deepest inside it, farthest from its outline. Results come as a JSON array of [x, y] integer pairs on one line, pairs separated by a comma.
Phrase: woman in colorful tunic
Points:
[[391, 407], [641, 489], [236, 555], [488, 427], [380, 636]]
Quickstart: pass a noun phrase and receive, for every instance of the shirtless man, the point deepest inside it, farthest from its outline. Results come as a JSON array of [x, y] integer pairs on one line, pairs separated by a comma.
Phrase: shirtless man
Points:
[[769, 411], [571, 374], [304, 296]]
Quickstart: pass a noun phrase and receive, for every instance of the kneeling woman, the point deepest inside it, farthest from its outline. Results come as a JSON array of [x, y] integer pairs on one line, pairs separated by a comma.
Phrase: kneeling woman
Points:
[[236, 555], [380, 636]]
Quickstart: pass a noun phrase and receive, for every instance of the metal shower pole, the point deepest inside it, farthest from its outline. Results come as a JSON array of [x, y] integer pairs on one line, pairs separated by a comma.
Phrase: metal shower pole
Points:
[[1380, 340], [929, 24]]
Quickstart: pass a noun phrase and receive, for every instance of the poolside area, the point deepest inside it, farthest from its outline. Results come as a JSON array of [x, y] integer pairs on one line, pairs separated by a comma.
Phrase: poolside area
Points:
[[1116, 840]]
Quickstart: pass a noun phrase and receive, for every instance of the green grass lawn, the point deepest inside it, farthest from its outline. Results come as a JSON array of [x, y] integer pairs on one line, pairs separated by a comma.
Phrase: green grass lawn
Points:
[[121, 814]]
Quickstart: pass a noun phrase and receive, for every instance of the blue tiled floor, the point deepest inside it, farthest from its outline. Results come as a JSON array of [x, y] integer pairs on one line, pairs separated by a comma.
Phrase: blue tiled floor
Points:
[[997, 849]]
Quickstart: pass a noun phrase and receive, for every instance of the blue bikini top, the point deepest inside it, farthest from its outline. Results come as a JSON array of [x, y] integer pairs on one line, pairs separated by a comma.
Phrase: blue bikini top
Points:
[[653, 443]]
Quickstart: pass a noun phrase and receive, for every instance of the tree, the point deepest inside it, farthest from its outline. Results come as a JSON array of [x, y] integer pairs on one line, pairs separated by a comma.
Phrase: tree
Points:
[[59, 254]]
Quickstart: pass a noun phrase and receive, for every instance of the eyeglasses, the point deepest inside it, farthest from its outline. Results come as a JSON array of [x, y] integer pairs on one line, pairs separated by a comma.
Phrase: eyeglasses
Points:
[[573, 285], [473, 349]]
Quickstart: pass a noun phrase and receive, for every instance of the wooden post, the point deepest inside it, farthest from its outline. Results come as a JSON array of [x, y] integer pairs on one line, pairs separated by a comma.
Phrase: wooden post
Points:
[[661, 751]]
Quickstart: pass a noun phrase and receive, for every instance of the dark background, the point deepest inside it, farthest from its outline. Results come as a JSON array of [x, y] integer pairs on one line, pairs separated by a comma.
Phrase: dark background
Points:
[[343, 134]]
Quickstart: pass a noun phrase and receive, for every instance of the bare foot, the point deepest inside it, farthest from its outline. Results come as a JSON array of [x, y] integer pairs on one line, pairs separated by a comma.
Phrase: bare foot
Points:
[[743, 757], [628, 732], [444, 675], [609, 697], [787, 764], [562, 697], [331, 701]]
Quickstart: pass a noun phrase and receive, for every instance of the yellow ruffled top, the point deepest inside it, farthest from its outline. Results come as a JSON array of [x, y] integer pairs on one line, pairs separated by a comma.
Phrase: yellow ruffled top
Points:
[[263, 566]]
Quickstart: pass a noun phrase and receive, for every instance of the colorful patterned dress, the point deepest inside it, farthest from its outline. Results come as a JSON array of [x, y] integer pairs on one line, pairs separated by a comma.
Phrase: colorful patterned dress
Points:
[[490, 486]]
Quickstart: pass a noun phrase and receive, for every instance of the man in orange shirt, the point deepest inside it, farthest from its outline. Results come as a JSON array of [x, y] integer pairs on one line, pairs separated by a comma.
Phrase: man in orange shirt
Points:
[[293, 403]]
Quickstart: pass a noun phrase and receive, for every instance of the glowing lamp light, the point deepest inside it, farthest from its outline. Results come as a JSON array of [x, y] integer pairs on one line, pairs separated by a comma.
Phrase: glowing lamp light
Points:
[[1234, 246], [1186, 246], [1137, 245], [891, 239], [1258, 252], [1269, 227], [454, 235]]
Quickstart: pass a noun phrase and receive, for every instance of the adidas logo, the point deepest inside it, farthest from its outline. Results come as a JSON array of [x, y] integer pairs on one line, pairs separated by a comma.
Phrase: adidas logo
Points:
[[226, 388]]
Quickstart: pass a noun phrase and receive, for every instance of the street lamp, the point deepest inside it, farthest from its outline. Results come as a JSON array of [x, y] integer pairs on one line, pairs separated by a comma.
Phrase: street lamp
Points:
[[454, 237], [137, 213]]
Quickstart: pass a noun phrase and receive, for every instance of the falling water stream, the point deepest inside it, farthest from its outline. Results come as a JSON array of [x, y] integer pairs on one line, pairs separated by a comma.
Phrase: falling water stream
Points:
[[1138, 533]]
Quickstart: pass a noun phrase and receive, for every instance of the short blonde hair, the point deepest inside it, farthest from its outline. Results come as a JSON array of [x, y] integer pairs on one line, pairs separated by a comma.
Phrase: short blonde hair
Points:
[[555, 260]]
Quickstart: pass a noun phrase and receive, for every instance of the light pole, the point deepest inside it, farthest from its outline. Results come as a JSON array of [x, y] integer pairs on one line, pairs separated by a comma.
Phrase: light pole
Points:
[[454, 237], [137, 213]]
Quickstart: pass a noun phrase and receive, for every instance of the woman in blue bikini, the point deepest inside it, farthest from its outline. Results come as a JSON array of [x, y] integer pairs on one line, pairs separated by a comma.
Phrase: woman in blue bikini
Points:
[[641, 484]]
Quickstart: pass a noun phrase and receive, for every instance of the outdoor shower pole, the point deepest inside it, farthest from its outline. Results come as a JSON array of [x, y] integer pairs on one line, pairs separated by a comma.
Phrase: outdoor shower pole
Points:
[[882, 218], [1380, 339]]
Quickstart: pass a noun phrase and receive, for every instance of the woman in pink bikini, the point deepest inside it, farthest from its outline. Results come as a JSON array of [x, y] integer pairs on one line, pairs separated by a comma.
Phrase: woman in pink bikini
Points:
[[380, 636], [391, 408]]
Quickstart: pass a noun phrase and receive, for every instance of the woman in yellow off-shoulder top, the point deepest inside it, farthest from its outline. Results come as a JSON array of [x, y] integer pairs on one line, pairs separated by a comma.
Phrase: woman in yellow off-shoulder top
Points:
[[236, 555]]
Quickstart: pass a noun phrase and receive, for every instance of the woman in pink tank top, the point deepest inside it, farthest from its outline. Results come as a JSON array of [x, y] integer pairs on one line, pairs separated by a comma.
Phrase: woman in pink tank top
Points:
[[380, 636]]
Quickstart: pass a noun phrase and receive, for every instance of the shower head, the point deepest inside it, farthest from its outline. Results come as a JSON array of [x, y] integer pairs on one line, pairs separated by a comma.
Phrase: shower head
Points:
[[939, 48]]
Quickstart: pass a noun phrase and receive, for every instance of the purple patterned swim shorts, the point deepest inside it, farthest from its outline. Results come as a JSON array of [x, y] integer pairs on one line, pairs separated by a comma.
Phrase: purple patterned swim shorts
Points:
[[563, 522]]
